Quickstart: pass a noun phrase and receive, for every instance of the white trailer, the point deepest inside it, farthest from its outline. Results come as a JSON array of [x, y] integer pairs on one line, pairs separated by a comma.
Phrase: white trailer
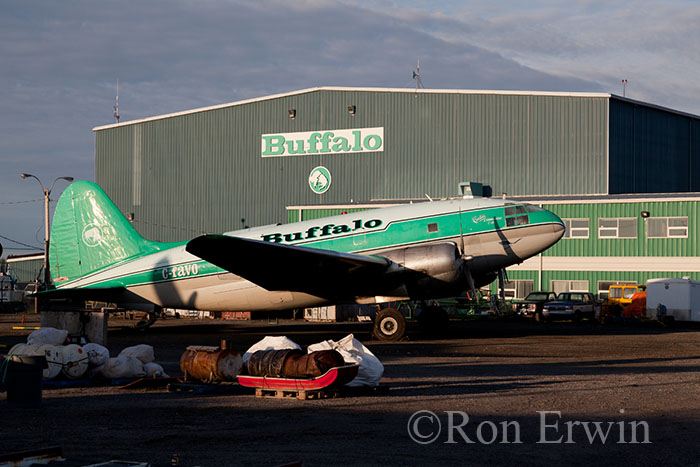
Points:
[[680, 297]]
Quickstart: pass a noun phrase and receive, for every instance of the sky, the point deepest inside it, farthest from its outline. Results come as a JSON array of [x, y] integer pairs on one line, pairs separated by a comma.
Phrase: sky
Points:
[[60, 62]]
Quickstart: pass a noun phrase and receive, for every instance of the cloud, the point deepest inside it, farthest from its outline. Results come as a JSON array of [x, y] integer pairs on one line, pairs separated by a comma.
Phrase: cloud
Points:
[[61, 60], [652, 44]]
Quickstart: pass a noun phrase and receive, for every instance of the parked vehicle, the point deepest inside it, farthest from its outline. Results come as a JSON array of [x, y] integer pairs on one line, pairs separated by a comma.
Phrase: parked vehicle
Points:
[[620, 296], [677, 299], [10, 297], [637, 308], [572, 305], [531, 306]]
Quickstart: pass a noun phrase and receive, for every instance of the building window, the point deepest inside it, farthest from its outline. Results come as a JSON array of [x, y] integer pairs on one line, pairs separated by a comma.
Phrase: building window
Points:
[[569, 286], [667, 227], [604, 287], [617, 228], [576, 228], [518, 288]]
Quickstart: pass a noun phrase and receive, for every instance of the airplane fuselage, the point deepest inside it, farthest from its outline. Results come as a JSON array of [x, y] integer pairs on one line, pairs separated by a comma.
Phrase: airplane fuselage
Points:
[[490, 234]]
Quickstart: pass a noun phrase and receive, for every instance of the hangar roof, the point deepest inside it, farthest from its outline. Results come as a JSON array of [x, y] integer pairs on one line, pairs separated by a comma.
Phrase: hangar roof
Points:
[[337, 88]]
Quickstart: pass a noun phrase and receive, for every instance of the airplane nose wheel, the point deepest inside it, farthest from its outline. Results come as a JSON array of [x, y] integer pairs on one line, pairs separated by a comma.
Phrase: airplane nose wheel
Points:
[[389, 325]]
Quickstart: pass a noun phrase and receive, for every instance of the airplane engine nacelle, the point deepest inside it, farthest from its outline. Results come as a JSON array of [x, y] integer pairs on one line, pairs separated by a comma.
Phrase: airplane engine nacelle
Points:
[[427, 270]]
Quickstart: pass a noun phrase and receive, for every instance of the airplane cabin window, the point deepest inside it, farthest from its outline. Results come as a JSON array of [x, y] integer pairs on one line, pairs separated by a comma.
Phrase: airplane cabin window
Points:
[[433, 227]]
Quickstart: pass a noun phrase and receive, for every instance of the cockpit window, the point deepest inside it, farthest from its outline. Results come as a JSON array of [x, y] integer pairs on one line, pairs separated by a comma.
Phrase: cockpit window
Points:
[[533, 208], [516, 215]]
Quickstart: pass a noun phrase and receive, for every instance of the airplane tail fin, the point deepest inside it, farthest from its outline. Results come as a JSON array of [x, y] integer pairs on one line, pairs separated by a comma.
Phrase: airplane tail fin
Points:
[[89, 233]]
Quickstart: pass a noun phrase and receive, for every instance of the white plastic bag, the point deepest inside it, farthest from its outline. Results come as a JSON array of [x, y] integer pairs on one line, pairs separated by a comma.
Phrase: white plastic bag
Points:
[[123, 366], [270, 343], [153, 370], [54, 360], [51, 336], [143, 352], [97, 354], [352, 350], [75, 361]]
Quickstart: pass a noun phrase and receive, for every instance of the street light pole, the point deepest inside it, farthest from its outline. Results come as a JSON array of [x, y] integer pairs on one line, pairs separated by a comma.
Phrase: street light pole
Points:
[[47, 200]]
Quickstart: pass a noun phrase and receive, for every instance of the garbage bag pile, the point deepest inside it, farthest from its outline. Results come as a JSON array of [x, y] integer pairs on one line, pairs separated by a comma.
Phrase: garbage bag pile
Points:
[[73, 361]]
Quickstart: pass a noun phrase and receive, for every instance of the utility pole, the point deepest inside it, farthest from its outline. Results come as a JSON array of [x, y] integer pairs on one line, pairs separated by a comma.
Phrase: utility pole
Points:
[[624, 87], [47, 200]]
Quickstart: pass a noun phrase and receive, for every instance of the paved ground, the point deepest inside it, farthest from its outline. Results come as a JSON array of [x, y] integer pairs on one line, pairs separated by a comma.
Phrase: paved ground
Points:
[[544, 386]]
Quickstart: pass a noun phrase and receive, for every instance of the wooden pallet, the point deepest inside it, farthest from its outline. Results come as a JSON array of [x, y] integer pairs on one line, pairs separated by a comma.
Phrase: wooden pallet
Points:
[[301, 394]]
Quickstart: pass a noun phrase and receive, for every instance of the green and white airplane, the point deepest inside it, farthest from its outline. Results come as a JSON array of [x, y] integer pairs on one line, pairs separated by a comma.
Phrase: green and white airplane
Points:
[[417, 251]]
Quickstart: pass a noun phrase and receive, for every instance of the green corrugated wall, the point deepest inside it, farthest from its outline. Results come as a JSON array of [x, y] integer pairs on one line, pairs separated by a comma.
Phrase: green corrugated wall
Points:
[[203, 172], [641, 246], [592, 277]]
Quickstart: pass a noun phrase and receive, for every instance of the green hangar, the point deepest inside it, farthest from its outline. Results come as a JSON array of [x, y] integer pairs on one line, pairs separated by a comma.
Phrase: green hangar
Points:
[[623, 174]]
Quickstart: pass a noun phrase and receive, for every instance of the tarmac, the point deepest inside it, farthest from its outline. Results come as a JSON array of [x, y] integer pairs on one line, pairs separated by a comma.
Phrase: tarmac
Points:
[[485, 393]]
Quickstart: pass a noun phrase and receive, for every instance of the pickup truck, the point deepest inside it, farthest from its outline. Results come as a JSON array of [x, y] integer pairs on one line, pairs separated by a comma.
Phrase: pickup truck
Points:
[[572, 305], [532, 305]]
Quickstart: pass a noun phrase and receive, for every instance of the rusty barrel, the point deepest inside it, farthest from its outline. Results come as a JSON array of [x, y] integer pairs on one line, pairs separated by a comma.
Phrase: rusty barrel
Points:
[[293, 363], [207, 363], [270, 362]]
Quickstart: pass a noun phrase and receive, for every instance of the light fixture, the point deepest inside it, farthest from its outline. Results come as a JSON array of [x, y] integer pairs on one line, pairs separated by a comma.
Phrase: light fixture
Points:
[[292, 113], [351, 110], [644, 214], [47, 200]]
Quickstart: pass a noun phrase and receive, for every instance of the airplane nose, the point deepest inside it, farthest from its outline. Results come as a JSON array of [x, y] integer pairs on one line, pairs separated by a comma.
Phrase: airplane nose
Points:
[[558, 225], [544, 233]]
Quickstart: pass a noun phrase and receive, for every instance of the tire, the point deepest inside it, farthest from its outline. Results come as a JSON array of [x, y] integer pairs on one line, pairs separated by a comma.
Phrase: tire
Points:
[[389, 325], [433, 321], [577, 317]]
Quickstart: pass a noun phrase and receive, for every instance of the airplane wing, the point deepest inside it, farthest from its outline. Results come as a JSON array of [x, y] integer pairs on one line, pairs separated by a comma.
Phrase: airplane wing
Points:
[[323, 273]]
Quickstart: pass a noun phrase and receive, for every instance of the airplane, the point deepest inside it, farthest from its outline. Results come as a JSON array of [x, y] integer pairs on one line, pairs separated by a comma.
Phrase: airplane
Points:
[[418, 251]]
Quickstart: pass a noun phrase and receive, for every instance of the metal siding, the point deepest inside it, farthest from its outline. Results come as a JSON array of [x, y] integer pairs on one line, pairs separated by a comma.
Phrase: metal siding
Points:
[[202, 172], [694, 171], [26, 271], [652, 150], [592, 277], [641, 246]]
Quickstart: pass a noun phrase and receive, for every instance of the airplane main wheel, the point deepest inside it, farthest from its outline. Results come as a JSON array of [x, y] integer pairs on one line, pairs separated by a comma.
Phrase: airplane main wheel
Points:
[[389, 325]]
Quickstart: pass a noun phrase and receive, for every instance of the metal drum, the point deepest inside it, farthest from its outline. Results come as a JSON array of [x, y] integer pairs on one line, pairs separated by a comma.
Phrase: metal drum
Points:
[[293, 363], [270, 362], [208, 363]]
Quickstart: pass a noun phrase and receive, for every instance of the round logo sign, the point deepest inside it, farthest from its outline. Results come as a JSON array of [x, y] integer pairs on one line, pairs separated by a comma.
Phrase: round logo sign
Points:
[[320, 180], [92, 235]]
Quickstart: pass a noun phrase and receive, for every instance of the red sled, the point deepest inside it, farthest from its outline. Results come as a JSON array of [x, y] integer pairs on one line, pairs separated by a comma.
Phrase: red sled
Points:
[[335, 377]]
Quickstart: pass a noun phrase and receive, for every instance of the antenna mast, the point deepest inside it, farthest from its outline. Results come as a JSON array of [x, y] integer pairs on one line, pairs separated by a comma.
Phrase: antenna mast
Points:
[[416, 75], [116, 105]]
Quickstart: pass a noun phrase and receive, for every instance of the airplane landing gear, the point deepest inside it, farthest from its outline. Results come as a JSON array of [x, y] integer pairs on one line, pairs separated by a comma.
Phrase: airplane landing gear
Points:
[[390, 325], [152, 317]]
